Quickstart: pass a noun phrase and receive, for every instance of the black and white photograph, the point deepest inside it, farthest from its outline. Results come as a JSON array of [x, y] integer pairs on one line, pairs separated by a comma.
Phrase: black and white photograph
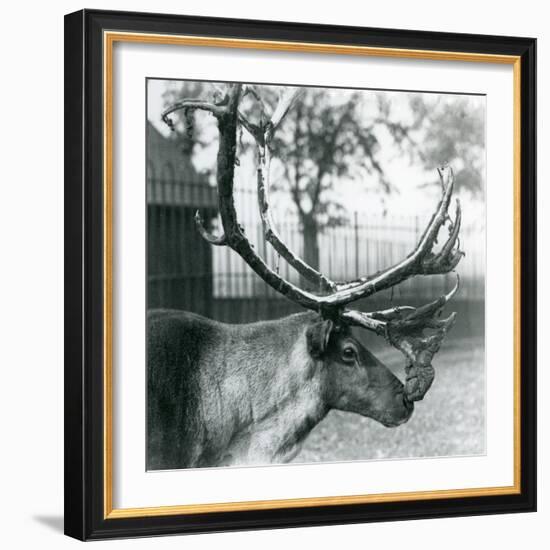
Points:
[[316, 263]]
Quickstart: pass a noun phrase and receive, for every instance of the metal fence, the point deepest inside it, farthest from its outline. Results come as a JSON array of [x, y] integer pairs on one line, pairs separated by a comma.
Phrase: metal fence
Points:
[[185, 272]]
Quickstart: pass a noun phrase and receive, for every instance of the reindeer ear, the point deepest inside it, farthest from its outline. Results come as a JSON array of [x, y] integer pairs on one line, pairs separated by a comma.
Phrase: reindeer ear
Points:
[[318, 336]]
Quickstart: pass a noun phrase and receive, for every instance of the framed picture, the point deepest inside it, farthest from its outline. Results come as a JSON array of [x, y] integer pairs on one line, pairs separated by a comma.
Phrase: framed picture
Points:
[[300, 274]]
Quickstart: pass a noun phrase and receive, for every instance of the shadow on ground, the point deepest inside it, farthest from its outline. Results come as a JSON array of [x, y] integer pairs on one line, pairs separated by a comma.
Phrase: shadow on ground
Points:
[[55, 523]]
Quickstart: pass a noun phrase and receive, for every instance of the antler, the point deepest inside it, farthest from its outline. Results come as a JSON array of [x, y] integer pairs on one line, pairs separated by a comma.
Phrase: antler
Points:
[[420, 261], [403, 327], [263, 135]]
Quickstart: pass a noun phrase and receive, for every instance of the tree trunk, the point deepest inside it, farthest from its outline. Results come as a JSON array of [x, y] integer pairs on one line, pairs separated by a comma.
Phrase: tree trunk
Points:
[[310, 230]]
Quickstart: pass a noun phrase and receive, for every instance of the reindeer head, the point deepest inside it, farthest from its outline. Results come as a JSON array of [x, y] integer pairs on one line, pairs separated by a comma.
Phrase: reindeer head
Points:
[[372, 389], [354, 380]]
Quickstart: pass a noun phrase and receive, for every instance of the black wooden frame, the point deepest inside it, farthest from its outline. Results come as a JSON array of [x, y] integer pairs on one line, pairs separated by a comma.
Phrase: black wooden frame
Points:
[[84, 517]]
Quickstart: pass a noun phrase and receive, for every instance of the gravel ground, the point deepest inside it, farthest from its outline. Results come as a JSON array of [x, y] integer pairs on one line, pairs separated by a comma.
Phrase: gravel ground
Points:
[[450, 421]]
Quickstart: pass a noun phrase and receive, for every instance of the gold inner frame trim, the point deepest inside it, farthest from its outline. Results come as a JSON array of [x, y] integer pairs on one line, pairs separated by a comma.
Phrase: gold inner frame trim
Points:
[[109, 39]]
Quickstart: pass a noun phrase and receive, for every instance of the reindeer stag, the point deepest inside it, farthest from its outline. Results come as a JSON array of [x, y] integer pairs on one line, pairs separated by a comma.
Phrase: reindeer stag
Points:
[[222, 394]]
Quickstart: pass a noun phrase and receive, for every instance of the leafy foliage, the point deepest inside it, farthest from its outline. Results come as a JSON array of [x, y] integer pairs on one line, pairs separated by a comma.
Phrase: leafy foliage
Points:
[[453, 132]]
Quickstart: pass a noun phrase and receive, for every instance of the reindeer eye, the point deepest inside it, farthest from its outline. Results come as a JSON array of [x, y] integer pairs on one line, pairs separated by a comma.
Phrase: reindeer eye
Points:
[[348, 354]]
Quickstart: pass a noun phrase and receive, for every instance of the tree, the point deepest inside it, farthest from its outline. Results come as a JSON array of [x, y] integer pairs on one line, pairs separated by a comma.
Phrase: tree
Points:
[[452, 130]]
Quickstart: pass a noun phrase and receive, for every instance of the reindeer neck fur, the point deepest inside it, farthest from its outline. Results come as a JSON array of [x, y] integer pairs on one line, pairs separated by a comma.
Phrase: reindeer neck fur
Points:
[[276, 399]]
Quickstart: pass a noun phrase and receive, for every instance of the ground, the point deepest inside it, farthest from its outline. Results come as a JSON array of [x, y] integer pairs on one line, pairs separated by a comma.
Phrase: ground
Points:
[[450, 421]]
